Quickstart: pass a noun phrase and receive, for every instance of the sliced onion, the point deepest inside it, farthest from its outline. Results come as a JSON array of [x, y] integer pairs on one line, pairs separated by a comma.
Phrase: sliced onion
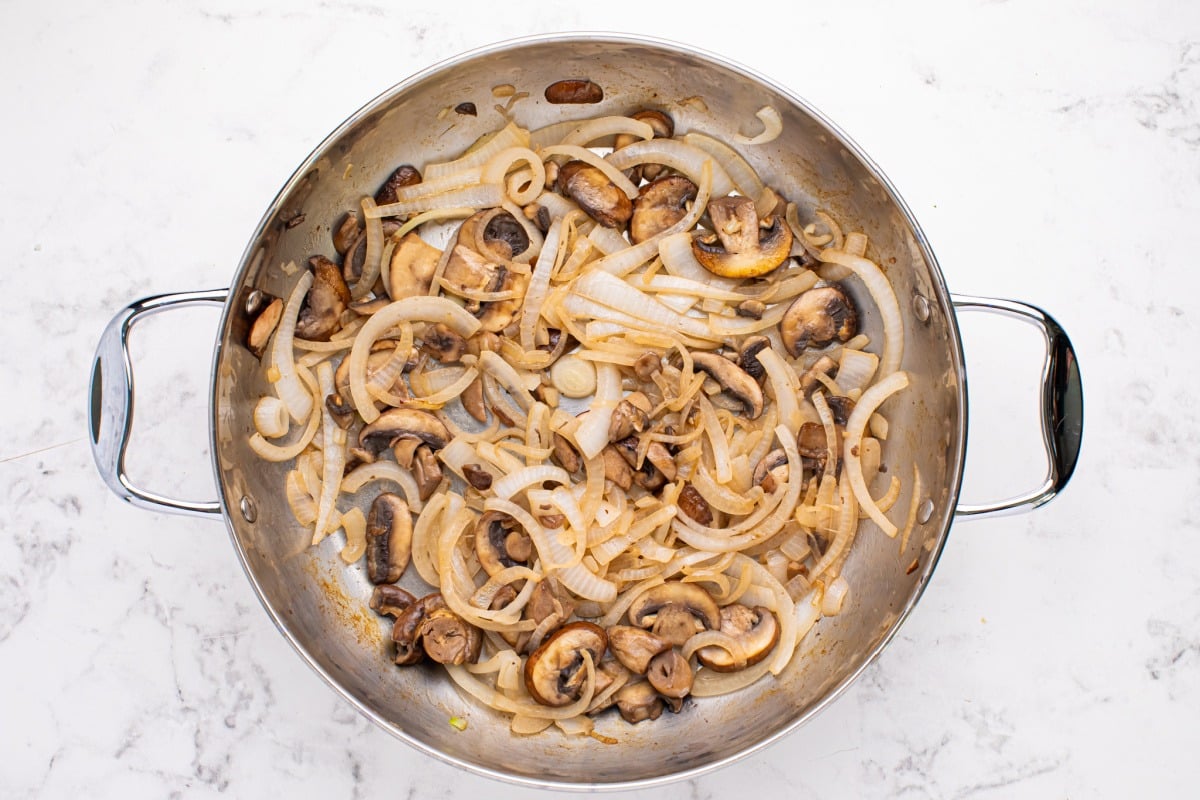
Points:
[[856, 369], [592, 434], [476, 195], [333, 451], [502, 163], [588, 131], [785, 387], [515, 482], [271, 418], [425, 534], [884, 296], [288, 386], [355, 526], [710, 683], [744, 178], [855, 425], [913, 505], [385, 471], [511, 135], [675, 155], [834, 596], [772, 127], [277, 453]]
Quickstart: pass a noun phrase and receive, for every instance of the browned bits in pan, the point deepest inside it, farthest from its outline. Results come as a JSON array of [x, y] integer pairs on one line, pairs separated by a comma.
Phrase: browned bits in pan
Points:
[[574, 91]]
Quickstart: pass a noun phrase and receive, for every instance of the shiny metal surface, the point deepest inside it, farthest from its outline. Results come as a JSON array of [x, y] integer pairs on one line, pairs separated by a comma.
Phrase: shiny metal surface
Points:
[[320, 605], [1061, 408], [110, 410]]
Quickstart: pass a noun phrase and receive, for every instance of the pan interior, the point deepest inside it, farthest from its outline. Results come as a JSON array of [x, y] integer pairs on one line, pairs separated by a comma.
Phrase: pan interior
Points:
[[321, 605]]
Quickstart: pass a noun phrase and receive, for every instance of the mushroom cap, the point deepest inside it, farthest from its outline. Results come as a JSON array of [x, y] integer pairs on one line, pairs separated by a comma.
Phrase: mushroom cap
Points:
[[748, 356], [321, 313], [741, 246], [734, 380], [638, 702], [773, 465], [389, 538], [406, 630], [659, 205], [816, 318], [390, 600], [599, 197], [670, 674], [496, 539], [634, 647], [448, 639], [404, 423], [264, 325], [555, 673], [756, 630], [403, 175], [675, 611]]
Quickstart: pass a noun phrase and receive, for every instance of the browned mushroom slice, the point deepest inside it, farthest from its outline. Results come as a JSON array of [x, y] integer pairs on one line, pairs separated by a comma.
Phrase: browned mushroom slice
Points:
[[595, 193], [639, 702], [555, 673], [403, 423], [427, 471], [502, 228], [500, 543], [412, 266], [646, 366], [264, 325], [756, 630], [478, 477], [658, 455], [472, 400], [574, 91], [751, 309], [341, 411], [406, 631], [390, 600], [498, 315], [823, 366], [565, 454], [616, 468], [629, 417], [389, 538], [741, 246], [377, 358], [660, 205], [634, 647], [440, 341], [548, 599], [816, 318], [734, 380], [771, 471], [748, 356], [448, 639], [841, 408], [468, 273], [670, 674], [321, 314], [813, 444], [346, 234], [675, 611], [610, 670], [403, 175], [693, 504]]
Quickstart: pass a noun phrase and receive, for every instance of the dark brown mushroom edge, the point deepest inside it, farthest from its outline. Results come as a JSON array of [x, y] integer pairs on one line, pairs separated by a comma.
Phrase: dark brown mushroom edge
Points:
[[594, 409]]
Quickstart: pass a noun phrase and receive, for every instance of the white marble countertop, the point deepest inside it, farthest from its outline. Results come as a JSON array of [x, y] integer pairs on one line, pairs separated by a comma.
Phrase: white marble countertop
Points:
[[1052, 154]]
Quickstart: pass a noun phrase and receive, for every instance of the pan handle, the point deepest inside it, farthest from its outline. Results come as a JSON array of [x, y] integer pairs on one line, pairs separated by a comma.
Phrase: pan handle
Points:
[[110, 412], [1061, 405]]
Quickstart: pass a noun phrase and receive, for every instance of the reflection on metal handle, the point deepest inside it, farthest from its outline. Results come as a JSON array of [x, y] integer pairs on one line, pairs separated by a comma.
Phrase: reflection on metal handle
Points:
[[110, 415], [1061, 411]]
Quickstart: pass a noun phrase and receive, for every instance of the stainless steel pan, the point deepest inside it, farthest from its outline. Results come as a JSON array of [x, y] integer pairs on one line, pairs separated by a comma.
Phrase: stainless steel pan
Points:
[[320, 606]]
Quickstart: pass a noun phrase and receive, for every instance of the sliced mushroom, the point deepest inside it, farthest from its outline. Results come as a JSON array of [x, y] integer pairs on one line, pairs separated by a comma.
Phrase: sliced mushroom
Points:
[[498, 315], [427, 471], [411, 269], [341, 411], [467, 273], [616, 468], [813, 444], [670, 674], [841, 408], [389, 538], [751, 309], [376, 360], [321, 313], [816, 318], [693, 504], [629, 417], [440, 341], [595, 193], [646, 365], [472, 400], [502, 228], [823, 366], [448, 639], [403, 175], [574, 91], [756, 630], [658, 455], [403, 423], [741, 246], [675, 611], [634, 647], [609, 672], [478, 477], [638, 702], [390, 600], [555, 672], [405, 450], [346, 234], [548, 599], [264, 325], [406, 631], [565, 454], [500, 543], [660, 205], [747, 357], [734, 380], [771, 470]]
